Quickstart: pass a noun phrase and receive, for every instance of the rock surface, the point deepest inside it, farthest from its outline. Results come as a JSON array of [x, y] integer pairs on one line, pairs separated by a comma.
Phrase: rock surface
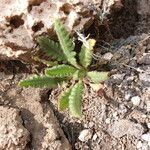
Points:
[[13, 135], [126, 127], [22, 21]]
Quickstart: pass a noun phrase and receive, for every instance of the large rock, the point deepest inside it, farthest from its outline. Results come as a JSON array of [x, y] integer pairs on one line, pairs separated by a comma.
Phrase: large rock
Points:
[[13, 136], [22, 21], [41, 122], [36, 113]]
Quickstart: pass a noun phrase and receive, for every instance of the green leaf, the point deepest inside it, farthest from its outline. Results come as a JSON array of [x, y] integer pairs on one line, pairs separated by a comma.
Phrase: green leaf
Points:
[[60, 71], [79, 74], [75, 99], [98, 77], [86, 52], [51, 48], [66, 42], [45, 62], [63, 102], [40, 81]]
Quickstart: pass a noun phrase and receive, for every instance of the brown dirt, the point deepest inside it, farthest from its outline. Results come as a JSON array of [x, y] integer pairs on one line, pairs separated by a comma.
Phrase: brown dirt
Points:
[[118, 115]]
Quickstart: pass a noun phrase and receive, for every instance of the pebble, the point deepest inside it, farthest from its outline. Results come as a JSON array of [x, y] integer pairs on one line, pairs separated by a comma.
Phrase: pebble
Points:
[[127, 96], [118, 76], [144, 78], [108, 56], [122, 109], [139, 145], [136, 100], [107, 121], [91, 124], [124, 126], [146, 137], [145, 59], [148, 105], [94, 137], [115, 114], [148, 125], [85, 135]]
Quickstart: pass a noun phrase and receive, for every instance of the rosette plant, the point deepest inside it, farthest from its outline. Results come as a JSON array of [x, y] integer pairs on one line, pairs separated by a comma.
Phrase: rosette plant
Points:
[[72, 70]]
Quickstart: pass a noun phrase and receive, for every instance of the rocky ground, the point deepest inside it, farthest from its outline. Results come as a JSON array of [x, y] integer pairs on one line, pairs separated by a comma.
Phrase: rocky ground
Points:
[[115, 116]]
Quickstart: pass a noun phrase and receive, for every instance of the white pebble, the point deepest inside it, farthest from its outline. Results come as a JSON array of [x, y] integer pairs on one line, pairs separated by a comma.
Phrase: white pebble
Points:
[[94, 137], [148, 124], [146, 137], [136, 100], [144, 116], [107, 121], [115, 114], [127, 96], [149, 144], [91, 124], [108, 56], [85, 135], [139, 145]]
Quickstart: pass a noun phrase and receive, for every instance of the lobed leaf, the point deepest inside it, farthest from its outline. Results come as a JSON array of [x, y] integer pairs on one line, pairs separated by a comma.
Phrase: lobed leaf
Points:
[[40, 81], [60, 71], [75, 99], [63, 102], [98, 77], [66, 43], [51, 48], [86, 53]]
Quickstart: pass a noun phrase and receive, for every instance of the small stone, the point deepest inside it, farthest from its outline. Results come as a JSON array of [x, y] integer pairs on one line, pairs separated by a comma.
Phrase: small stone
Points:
[[118, 78], [94, 137], [148, 105], [122, 109], [139, 145], [91, 124], [130, 78], [127, 96], [107, 121], [115, 114], [144, 78], [146, 137], [149, 144], [144, 116], [85, 135], [108, 56], [124, 126], [144, 146], [85, 125], [136, 100], [148, 125], [145, 59]]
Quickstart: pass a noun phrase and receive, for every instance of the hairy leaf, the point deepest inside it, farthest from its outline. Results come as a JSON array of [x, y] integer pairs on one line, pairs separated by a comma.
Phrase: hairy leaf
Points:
[[66, 42], [40, 81], [86, 52], [45, 62], [51, 48], [60, 71], [75, 99], [63, 102], [79, 74], [97, 77]]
